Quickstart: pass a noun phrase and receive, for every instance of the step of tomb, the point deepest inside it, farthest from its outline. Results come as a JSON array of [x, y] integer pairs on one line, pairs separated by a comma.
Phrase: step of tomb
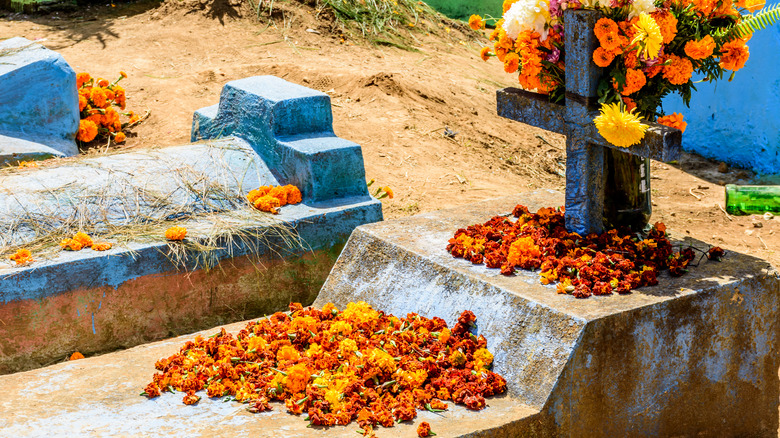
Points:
[[99, 397], [696, 355]]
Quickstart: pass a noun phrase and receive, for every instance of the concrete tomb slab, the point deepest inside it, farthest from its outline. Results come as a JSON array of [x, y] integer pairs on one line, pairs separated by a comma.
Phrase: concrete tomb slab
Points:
[[99, 397], [39, 105], [146, 288], [693, 356]]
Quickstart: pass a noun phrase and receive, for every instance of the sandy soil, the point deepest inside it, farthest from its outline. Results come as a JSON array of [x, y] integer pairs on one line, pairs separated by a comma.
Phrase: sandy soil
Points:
[[395, 103]]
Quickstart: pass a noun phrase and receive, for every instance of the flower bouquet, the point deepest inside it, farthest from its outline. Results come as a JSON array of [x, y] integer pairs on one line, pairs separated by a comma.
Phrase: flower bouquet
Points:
[[647, 49]]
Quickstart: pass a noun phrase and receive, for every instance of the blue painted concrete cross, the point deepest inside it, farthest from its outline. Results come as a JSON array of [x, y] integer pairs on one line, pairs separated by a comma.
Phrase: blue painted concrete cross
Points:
[[584, 145]]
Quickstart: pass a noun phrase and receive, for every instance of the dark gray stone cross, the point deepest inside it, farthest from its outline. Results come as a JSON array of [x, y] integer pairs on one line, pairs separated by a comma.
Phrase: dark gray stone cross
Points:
[[584, 145]]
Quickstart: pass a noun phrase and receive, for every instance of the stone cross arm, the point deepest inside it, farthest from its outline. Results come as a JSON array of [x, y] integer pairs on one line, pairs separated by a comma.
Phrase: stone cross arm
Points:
[[661, 142]]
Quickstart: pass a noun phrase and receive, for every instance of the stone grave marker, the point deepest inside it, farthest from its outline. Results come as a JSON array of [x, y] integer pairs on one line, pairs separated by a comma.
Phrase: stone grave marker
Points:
[[39, 104], [264, 131], [584, 145]]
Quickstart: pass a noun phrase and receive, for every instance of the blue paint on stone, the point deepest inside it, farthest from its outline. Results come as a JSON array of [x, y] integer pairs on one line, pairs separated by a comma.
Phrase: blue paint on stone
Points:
[[291, 128], [38, 101], [737, 122]]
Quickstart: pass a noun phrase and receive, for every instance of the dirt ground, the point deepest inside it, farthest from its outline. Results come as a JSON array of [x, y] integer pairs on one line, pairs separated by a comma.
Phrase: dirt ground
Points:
[[396, 103]]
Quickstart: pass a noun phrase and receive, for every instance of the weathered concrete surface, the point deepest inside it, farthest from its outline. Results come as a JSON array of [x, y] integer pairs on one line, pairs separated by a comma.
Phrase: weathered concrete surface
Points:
[[693, 356], [98, 397], [38, 98]]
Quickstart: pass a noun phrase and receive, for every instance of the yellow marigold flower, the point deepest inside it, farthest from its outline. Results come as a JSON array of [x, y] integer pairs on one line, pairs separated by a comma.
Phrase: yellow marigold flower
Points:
[[360, 312], [484, 356], [335, 399], [485, 53], [751, 5], [457, 358], [347, 346], [522, 249], [648, 35], [619, 127], [176, 233], [476, 23], [314, 350], [674, 120], [700, 49], [101, 246], [341, 327], [444, 335]]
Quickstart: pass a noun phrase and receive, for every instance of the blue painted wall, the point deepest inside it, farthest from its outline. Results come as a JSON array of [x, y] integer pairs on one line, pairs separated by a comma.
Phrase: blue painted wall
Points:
[[739, 121]]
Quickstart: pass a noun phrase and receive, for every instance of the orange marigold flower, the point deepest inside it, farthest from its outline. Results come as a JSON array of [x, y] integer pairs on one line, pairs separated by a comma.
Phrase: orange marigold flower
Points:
[[605, 26], [629, 103], [294, 195], [103, 83], [83, 239], [603, 57], [191, 399], [123, 74], [485, 53], [101, 246], [120, 137], [87, 131], [70, 245], [81, 79], [674, 120], [424, 430], [610, 42], [76, 356], [511, 62], [679, 71], [667, 23], [176, 233], [267, 203], [98, 97], [635, 80], [506, 5], [476, 23], [257, 193], [389, 191], [22, 256], [700, 49], [734, 54], [296, 379], [134, 118], [120, 97], [82, 102]]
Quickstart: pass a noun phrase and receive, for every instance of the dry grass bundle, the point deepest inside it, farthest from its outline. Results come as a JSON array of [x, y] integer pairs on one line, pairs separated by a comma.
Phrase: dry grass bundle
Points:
[[127, 204]]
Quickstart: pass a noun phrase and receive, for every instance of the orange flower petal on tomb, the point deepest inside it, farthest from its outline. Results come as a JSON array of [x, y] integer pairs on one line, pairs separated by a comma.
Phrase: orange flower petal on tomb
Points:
[[176, 233], [101, 246], [674, 120], [22, 256], [76, 356], [83, 239]]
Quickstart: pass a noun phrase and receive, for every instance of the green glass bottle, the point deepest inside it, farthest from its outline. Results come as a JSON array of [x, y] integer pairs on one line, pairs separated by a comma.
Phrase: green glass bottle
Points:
[[752, 199]]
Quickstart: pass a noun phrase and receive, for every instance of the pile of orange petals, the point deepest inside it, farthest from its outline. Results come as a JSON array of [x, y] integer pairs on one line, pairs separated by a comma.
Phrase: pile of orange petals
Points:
[[80, 241], [270, 198], [615, 261], [357, 365], [22, 256]]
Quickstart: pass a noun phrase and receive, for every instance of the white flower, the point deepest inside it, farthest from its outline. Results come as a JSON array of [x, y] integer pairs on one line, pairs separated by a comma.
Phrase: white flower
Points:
[[641, 6], [527, 15]]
